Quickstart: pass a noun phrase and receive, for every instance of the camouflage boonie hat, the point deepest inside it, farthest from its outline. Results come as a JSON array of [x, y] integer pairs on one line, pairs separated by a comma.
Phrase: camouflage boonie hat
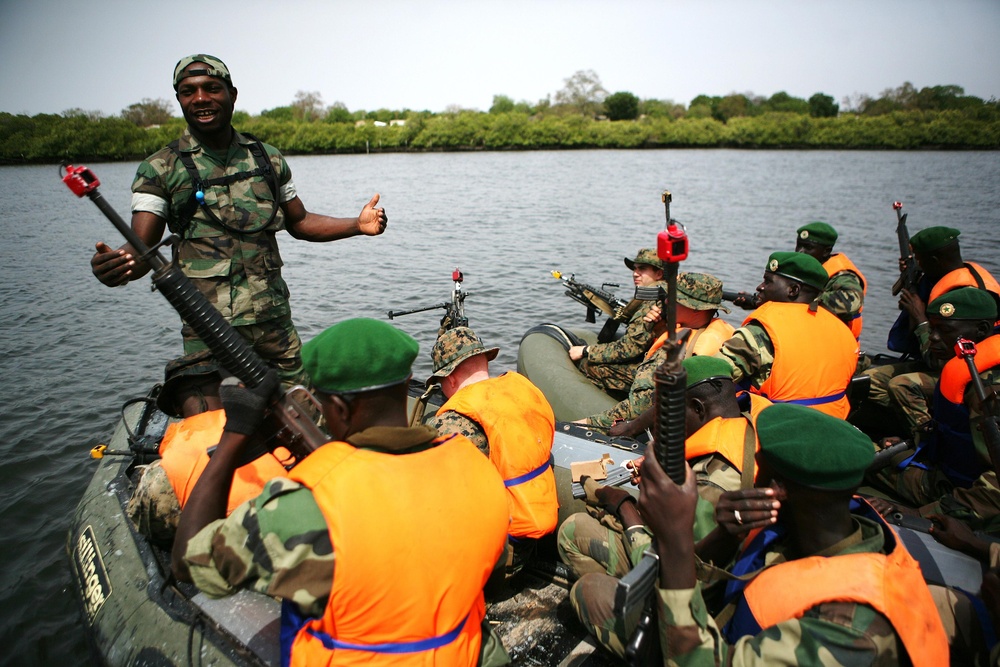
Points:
[[198, 364], [700, 291], [455, 346], [645, 256], [818, 232], [965, 303], [215, 68]]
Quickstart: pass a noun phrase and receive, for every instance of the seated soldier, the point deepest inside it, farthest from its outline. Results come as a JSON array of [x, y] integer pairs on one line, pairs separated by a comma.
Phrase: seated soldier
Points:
[[828, 583], [611, 366], [510, 421], [844, 294], [699, 298], [792, 349], [379, 542]]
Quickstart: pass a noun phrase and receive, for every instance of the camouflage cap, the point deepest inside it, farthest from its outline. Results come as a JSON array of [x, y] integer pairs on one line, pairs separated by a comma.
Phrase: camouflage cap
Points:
[[798, 266], [818, 232], [933, 238], [455, 346], [178, 372], [813, 449], [700, 291], [215, 68], [645, 256], [965, 303], [359, 355], [702, 369]]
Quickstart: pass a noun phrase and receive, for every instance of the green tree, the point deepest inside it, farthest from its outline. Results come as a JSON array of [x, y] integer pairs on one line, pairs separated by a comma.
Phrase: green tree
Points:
[[782, 101], [148, 112], [338, 113], [583, 93], [823, 106], [733, 105], [308, 106], [501, 104], [622, 106], [279, 113]]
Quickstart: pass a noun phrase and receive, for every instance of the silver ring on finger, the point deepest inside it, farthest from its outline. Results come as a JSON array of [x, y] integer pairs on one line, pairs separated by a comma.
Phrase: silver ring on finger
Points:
[[739, 519]]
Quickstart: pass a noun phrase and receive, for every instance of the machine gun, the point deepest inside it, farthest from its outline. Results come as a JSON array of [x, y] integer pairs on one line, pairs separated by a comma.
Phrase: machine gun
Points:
[[909, 276], [990, 402], [595, 300], [670, 379], [288, 423], [454, 309]]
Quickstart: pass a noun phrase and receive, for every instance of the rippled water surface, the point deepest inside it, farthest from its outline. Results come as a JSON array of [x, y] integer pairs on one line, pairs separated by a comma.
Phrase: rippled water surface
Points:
[[71, 350]]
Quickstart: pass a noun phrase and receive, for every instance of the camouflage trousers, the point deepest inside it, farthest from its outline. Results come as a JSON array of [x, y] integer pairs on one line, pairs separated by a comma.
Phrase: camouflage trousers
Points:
[[609, 377], [276, 341], [978, 506], [907, 388], [154, 507], [915, 486]]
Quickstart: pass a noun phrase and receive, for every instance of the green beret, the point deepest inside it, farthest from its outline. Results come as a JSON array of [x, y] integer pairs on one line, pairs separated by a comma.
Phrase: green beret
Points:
[[702, 369], [213, 67], [798, 266], [359, 355], [933, 238], [818, 232], [813, 449], [455, 346], [964, 303], [645, 256]]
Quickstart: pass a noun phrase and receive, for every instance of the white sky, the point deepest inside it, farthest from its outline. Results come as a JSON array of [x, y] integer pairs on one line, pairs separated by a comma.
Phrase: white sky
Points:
[[430, 54]]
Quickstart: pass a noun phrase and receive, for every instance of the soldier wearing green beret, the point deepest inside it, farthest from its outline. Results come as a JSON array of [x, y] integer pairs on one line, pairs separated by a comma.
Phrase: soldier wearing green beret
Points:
[[611, 366], [792, 348], [790, 604], [511, 422], [226, 195], [844, 292], [394, 515]]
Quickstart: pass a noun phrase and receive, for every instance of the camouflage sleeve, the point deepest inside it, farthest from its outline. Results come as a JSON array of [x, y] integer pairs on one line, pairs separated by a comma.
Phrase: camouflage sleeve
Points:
[[276, 544], [640, 394], [843, 295], [630, 347], [853, 632], [450, 422], [750, 352], [978, 505]]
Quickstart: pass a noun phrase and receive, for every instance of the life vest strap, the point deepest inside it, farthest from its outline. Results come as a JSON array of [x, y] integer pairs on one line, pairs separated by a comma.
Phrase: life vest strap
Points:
[[821, 400], [526, 477], [428, 644]]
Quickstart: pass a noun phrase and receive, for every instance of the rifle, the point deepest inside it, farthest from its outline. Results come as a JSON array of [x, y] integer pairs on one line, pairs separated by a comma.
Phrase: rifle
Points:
[[454, 310], [990, 425], [287, 423], [910, 274], [745, 300], [670, 380]]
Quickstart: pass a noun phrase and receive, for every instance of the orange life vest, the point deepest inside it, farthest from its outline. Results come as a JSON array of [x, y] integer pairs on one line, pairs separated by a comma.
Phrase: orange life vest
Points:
[[963, 278], [702, 342], [726, 436], [814, 357], [520, 427], [890, 583], [955, 374], [416, 536], [184, 455], [838, 263]]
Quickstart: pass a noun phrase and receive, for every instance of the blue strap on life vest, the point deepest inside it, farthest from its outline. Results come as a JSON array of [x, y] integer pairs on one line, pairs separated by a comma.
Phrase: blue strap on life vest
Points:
[[809, 401], [526, 477]]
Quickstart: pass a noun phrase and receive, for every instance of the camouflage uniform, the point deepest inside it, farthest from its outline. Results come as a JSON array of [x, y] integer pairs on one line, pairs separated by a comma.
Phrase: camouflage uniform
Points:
[[844, 295], [908, 387], [835, 633], [751, 353], [454, 422], [612, 366], [238, 272], [154, 507]]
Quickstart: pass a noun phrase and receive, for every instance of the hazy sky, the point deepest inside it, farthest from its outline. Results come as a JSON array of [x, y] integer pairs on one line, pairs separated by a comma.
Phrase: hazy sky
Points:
[[431, 54]]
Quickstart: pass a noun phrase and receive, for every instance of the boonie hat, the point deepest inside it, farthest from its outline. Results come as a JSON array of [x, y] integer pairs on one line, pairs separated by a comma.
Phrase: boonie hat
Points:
[[964, 303], [455, 346], [702, 369], [178, 371], [700, 291], [359, 355], [933, 238], [812, 448], [818, 232], [215, 67], [798, 266], [645, 256]]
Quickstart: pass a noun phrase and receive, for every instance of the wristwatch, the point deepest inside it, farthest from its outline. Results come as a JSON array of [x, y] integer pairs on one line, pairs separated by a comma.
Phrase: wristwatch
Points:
[[586, 351]]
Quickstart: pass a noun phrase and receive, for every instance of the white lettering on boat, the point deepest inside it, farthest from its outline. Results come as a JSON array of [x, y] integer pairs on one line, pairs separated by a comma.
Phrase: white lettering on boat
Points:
[[96, 586]]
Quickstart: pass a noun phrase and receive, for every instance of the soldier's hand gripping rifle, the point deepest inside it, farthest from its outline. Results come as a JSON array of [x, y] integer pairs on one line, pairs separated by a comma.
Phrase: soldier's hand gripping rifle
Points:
[[454, 309], [989, 402], [288, 424], [909, 274], [670, 380], [597, 299]]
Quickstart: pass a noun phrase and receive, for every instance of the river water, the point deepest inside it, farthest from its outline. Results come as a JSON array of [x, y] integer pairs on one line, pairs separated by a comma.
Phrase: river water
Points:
[[71, 350]]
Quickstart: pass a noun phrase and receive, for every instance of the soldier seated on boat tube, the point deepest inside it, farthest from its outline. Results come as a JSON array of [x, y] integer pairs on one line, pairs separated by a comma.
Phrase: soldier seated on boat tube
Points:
[[611, 366], [379, 542], [610, 537], [792, 349], [190, 391], [511, 422], [699, 298]]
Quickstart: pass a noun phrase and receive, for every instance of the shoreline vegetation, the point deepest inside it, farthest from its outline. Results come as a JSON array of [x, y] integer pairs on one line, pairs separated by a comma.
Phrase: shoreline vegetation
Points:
[[583, 116]]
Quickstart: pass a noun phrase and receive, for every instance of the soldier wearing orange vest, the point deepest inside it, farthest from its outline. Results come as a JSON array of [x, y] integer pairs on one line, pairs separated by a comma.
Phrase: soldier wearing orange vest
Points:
[[844, 293], [511, 422], [380, 542], [792, 349], [825, 582]]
